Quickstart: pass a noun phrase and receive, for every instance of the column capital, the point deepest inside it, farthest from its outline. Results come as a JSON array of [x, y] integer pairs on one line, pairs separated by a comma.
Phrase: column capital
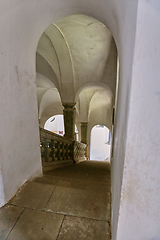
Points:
[[69, 106], [84, 124]]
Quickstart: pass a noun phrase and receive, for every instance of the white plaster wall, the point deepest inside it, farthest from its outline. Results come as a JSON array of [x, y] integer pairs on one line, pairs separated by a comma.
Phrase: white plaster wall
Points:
[[140, 197], [2, 195], [19, 139], [125, 40]]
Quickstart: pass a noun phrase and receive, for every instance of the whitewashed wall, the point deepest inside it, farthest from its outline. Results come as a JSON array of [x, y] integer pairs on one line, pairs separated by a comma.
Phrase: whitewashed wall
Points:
[[139, 217]]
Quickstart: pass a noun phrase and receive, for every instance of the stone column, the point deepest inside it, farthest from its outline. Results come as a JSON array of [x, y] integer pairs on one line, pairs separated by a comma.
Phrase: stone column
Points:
[[69, 120], [84, 126]]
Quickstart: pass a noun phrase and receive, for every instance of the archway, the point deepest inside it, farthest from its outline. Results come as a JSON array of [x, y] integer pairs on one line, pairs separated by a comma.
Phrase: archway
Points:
[[100, 143], [55, 124], [74, 58]]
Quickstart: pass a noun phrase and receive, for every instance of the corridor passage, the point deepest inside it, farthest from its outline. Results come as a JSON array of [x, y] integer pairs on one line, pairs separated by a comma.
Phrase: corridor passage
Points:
[[64, 204]]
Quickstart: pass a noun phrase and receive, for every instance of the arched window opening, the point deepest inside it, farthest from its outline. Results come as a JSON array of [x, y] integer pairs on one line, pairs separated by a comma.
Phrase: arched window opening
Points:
[[100, 143], [55, 124]]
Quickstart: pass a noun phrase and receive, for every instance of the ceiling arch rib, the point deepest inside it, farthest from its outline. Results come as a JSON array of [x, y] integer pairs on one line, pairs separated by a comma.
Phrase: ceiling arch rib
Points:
[[89, 42], [65, 62], [43, 85], [91, 85], [100, 108], [44, 82], [81, 49], [49, 111], [46, 49], [83, 64], [84, 101], [110, 70], [50, 97], [87, 93], [45, 69]]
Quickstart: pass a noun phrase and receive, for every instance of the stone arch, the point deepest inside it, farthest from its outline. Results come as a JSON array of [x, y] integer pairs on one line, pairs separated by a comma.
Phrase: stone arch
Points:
[[70, 74], [55, 123], [50, 105], [89, 85]]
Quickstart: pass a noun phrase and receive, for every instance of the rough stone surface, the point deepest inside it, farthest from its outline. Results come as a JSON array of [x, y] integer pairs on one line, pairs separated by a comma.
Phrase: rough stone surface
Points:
[[34, 195], [36, 225], [79, 202], [8, 217], [82, 228], [46, 179], [67, 203]]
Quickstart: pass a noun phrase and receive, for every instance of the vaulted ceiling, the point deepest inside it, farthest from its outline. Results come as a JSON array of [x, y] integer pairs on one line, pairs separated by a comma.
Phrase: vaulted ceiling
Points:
[[77, 62]]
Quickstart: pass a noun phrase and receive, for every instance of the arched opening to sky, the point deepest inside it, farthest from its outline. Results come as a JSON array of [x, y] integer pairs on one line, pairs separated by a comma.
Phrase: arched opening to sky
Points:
[[100, 143], [55, 124]]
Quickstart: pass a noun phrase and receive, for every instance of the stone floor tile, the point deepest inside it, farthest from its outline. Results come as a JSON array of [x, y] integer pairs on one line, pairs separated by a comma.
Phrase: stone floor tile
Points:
[[46, 179], [79, 175], [75, 228], [84, 184], [36, 225], [64, 183], [79, 202], [8, 217], [34, 195], [88, 170], [80, 191]]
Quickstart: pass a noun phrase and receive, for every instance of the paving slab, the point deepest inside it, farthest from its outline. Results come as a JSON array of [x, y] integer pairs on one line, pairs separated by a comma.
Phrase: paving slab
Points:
[[34, 195], [84, 184], [74, 228], [46, 179], [79, 202], [79, 175], [88, 170], [36, 225], [81, 192], [8, 217]]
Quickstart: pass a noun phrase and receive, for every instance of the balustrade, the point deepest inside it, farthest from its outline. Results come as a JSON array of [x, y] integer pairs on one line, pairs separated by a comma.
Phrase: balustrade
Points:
[[59, 151]]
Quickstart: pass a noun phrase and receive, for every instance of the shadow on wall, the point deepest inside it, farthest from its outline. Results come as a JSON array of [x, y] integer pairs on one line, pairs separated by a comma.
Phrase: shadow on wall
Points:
[[100, 143]]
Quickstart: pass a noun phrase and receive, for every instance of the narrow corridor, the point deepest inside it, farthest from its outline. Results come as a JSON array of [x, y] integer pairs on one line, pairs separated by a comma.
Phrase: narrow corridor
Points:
[[67, 203]]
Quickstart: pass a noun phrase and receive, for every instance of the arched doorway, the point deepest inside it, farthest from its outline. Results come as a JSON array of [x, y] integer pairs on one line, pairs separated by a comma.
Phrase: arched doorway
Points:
[[81, 66], [100, 143]]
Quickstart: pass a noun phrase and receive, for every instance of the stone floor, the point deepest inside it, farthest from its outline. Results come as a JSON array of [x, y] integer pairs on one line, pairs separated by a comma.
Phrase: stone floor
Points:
[[64, 204]]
